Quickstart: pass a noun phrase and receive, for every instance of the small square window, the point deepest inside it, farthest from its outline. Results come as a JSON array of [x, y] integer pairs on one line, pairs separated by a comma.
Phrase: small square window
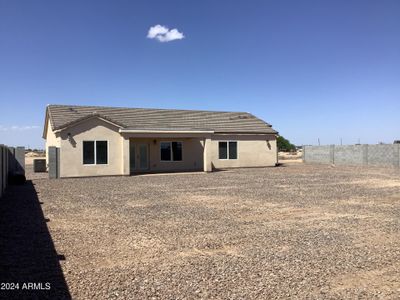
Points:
[[95, 152], [227, 150], [171, 151]]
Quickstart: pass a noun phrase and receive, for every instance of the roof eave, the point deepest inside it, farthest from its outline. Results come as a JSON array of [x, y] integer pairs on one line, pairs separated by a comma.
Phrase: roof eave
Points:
[[46, 122], [127, 130], [247, 132]]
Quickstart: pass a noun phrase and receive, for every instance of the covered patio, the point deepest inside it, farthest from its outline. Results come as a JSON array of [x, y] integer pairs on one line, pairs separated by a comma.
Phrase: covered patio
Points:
[[147, 151]]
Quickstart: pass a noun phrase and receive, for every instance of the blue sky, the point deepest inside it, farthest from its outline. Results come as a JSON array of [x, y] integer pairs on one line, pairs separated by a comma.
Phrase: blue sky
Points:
[[314, 69]]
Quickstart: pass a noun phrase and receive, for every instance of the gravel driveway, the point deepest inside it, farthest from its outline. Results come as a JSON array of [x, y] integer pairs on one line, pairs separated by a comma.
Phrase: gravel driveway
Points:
[[298, 231]]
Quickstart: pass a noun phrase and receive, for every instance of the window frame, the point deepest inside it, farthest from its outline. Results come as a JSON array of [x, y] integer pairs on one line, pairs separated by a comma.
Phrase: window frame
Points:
[[95, 153], [227, 150], [171, 151]]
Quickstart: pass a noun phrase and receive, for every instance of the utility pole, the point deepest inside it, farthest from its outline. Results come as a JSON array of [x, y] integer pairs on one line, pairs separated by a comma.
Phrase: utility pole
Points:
[[341, 142], [319, 143]]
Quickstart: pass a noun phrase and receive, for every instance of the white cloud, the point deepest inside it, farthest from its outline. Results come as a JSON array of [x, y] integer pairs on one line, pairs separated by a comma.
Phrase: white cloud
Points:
[[164, 34], [18, 128], [156, 30]]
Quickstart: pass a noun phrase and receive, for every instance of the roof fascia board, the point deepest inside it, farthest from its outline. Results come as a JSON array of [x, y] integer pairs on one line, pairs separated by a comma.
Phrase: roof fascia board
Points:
[[245, 133], [122, 130], [46, 122]]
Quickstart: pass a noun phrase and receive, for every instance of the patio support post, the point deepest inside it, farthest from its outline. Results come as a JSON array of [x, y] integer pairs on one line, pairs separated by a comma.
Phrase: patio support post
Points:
[[207, 155], [125, 156]]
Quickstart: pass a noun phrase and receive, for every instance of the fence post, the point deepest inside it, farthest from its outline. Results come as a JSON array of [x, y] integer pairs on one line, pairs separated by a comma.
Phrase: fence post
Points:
[[304, 154], [332, 154], [396, 156], [364, 154]]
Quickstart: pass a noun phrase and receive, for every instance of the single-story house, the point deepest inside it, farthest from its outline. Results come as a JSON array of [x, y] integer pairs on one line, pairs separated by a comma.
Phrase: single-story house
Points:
[[94, 140]]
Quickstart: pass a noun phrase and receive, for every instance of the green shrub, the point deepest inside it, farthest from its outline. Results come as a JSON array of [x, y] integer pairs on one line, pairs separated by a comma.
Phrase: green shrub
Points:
[[284, 144]]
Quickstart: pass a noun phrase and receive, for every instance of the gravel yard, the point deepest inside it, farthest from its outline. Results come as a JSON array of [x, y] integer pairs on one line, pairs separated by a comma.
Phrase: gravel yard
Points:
[[293, 231]]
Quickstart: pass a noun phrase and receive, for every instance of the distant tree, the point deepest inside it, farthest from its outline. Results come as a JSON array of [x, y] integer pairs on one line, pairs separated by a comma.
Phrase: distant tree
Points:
[[284, 144]]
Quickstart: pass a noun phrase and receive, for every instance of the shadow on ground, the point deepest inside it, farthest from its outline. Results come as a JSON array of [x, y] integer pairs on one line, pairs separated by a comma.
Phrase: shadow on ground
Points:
[[27, 253]]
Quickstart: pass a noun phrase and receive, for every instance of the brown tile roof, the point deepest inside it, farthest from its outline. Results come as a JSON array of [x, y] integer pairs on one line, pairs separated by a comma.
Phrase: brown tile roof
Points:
[[62, 116]]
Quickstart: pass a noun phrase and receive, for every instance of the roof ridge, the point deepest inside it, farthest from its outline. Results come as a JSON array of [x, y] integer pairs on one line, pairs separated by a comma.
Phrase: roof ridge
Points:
[[149, 108]]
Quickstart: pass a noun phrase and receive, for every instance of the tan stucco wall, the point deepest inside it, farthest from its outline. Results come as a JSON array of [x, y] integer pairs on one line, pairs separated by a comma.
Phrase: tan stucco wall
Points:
[[252, 150], [51, 140], [71, 152], [192, 154]]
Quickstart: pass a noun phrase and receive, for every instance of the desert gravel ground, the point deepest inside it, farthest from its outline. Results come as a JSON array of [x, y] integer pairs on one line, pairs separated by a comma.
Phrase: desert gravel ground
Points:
[[295, 231]]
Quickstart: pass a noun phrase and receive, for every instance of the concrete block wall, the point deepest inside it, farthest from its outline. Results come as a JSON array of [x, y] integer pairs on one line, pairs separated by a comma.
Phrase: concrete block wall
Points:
[[383, 155], [361, 155], [19, 159], [2, 170], [348, 155], [317, 154], [12, 162], [5, 167]]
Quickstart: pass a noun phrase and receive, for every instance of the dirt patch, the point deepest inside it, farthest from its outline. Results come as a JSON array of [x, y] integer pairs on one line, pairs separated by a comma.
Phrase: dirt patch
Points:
[[378, 183], [384, 279], [224, 250]]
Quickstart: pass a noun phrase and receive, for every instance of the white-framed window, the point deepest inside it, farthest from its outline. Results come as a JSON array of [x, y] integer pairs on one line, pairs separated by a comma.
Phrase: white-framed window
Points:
[[227, 150], [95, 152], [171, 151]]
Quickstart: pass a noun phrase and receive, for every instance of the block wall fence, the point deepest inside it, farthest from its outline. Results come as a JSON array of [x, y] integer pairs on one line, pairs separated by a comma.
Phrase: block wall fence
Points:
[[12, 162], [357, 155]]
